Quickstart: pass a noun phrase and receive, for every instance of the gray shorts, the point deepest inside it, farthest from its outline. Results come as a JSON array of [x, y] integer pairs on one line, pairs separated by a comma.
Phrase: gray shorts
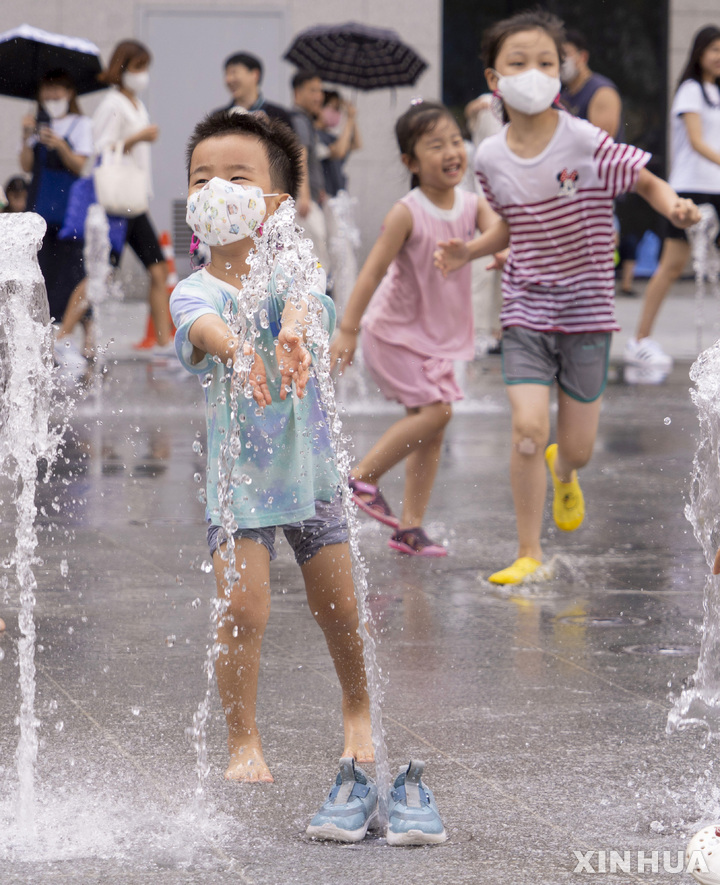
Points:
[[579, 362], [306, 538]]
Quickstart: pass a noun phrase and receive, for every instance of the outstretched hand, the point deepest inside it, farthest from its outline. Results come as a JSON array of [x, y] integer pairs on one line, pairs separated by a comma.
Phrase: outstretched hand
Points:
[[450, 255], [342, 351], [294, 362], [684, 213], [258, 378]]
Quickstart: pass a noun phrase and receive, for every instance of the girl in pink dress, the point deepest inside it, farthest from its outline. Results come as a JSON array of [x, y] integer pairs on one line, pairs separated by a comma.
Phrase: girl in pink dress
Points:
[[414, 321]]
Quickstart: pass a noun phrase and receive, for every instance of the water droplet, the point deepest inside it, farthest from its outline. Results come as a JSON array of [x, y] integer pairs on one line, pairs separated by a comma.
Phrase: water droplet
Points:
[[136, 711], [64, 570], [59, 725], [197, 447], [2, 654], [667, 421], [196, 602], [206, 566], [170, 640], [228, 265]]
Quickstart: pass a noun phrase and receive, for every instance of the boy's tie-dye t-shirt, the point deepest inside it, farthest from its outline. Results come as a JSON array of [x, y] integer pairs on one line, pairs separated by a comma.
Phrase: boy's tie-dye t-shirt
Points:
[[286, 460]]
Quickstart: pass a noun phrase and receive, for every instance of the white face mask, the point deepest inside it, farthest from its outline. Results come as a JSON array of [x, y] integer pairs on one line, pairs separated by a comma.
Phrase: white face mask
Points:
[[531, 92], [136, 81], [222, 212], [56, 107], [568, 71]]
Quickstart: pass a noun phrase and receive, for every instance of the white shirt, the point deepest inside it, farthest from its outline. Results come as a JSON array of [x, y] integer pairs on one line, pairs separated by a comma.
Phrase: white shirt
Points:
[[116, 119], [691, 172], [559, 276]]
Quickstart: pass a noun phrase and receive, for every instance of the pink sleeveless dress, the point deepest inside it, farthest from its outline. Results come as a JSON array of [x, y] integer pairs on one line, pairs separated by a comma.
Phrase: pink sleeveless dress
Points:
[[419, 322]]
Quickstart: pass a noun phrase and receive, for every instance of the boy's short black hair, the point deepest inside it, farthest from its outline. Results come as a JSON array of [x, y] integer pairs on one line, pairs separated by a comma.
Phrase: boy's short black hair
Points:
[[251, 62], [282, 146], [302, 77]]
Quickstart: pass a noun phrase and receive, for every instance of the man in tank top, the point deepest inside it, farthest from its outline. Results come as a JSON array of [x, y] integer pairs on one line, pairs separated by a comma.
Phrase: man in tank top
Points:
[[585, 93]]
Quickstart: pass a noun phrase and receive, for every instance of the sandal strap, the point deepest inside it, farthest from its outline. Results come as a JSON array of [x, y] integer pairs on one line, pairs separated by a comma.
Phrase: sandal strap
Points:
[[365, 488]]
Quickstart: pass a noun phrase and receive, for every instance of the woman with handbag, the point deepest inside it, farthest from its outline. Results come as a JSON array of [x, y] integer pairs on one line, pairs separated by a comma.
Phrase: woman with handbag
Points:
[[57, 140], [122, 131]]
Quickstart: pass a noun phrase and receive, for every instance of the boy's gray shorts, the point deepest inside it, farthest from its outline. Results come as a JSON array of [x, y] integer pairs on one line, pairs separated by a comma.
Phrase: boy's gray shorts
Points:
[[579, 362], [306, 538]]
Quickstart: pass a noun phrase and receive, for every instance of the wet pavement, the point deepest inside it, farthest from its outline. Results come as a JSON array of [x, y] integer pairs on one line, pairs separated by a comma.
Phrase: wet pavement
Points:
[[540, 713]]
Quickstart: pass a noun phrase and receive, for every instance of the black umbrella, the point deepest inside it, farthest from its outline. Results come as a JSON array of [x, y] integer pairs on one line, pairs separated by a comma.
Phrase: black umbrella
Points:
[[356, 55], [27, 53]]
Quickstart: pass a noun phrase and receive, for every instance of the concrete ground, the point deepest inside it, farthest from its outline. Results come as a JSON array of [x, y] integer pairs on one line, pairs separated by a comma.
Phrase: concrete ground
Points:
[[540, 713]]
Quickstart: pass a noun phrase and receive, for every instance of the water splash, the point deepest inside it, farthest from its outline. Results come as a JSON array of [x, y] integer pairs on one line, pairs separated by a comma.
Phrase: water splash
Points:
[[26, 385], [699, 703], [282, 243]]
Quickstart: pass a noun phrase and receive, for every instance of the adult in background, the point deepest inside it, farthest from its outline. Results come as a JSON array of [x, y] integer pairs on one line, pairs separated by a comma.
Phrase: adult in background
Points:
[[57, 140], [122, 118], [308, 97], [695, 151], [585, 93], [339, 135], [243, 76]]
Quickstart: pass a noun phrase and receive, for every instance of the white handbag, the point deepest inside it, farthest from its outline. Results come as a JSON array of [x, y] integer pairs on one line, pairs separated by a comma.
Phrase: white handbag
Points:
[[120, 185]]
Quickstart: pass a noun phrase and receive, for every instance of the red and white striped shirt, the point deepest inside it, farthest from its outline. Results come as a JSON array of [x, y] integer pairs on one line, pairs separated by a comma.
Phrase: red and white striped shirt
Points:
[[559, 276]]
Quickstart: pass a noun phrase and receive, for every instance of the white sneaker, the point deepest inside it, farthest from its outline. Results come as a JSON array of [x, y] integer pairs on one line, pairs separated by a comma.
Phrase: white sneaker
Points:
[[164, 356], [69, 358], [647, 354]]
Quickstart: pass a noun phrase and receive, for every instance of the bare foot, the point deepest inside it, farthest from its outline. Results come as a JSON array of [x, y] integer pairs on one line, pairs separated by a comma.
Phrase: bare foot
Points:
[[358, 736], [248, 765]]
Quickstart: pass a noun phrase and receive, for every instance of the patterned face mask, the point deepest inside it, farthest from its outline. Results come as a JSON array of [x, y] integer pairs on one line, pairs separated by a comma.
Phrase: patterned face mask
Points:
[[222, 212]]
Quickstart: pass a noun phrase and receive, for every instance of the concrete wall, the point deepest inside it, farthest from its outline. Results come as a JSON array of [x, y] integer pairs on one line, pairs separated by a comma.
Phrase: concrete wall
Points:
[[376, 175], [686, 18]]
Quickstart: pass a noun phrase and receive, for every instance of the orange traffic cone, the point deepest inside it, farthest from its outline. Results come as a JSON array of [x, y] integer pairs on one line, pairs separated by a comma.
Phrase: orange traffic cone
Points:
[[150, 339]]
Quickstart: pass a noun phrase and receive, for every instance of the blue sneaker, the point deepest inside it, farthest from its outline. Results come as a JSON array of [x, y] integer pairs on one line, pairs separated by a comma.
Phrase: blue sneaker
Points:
[[413, 817], [349, 809]]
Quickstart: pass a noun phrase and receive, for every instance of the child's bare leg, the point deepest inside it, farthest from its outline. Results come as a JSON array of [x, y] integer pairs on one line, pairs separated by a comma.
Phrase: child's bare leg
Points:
[[673, 259], [237, 670], [530, 433], [159, 304], [76, 307], [421, 467], [577, 426], [402, 438], [331, 596]]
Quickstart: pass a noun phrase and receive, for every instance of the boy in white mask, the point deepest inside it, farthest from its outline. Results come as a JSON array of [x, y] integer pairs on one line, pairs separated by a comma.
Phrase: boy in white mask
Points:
[[551, 178], [241, 168]]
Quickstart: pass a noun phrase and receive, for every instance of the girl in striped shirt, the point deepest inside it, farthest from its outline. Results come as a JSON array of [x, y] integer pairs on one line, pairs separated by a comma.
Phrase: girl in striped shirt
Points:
[[551, 178], [417, 323]]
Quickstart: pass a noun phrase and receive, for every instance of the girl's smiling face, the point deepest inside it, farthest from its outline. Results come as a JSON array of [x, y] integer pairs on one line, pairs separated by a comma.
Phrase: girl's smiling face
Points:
[[439, 158], [522, 51]]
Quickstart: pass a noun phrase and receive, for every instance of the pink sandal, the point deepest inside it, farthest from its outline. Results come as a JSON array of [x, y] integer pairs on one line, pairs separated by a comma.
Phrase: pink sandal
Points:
[[376, 506], [415, 543]]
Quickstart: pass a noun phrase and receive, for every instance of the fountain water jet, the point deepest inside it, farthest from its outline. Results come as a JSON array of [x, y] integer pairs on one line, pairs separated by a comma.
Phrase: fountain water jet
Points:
[[26, 384], [699, 703]]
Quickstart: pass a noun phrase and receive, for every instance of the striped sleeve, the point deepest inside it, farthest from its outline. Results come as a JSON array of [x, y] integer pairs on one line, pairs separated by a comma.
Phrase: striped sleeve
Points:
[[618, 165]]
